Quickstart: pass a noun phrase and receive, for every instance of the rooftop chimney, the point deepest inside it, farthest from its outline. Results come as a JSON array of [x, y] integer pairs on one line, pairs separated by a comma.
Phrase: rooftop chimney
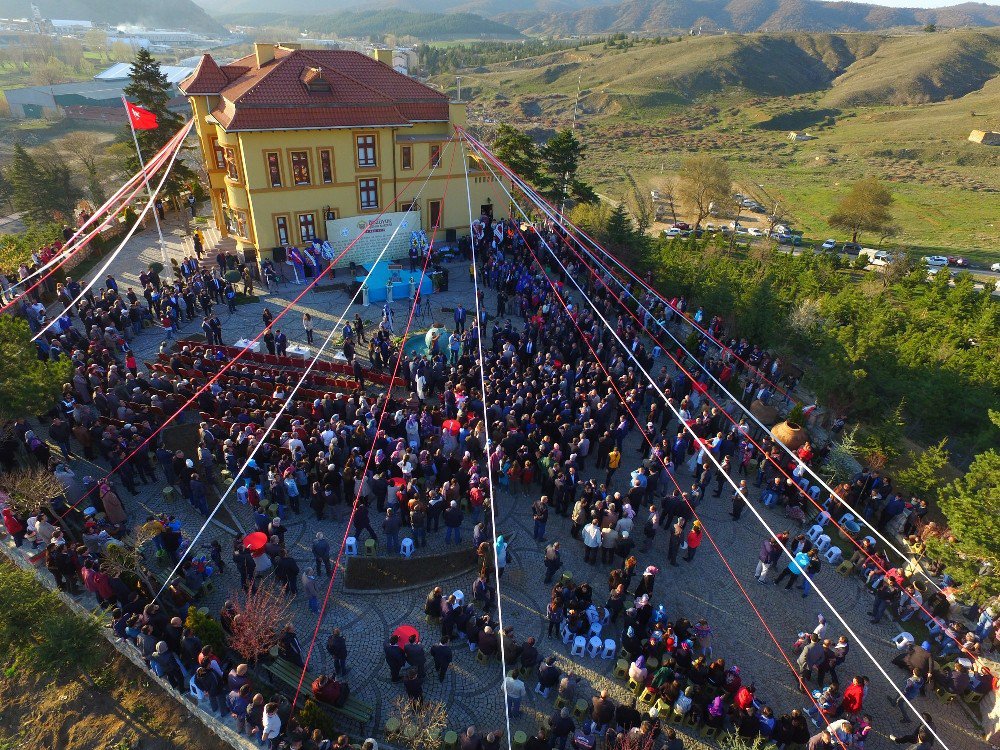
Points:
[[263, 52]]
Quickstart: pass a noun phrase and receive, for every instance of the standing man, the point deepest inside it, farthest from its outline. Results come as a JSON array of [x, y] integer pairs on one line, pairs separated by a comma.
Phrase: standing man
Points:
[[390, 527], [552, 561], [336, 646], [460, 316], [321, 551], [738, 502], [394, 657], [591, 541], [540, 514], [676, 540], [442, 656], [415, 656]]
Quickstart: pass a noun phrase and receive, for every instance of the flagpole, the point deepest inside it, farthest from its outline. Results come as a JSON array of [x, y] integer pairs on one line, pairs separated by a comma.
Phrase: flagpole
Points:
[[142, 166]]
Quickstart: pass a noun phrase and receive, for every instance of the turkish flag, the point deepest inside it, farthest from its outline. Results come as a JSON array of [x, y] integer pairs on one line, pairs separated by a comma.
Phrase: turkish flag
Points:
[[141, 119]]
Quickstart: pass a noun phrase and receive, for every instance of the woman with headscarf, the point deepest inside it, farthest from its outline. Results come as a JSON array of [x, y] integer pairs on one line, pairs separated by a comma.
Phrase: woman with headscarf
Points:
[[113, 509], [501, 553]]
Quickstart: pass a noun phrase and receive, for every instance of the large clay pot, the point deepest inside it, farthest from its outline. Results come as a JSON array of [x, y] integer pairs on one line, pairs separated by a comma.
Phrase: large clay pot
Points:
[[791, 434], [764, 412]]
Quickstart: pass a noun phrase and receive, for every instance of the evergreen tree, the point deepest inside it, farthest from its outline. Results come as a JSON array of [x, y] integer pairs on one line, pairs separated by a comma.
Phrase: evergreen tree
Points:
[[149, 89], [620, 231], [561, 156], [43, 192], [924, 476], [972, 506], [518, 151], [30, 386], [6, 189]]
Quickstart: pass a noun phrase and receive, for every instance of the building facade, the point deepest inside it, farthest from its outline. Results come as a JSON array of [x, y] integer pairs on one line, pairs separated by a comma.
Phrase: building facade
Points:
[[292, 139]]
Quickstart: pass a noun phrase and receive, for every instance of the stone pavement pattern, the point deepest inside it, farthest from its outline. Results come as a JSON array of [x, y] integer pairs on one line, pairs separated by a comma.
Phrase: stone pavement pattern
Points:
[[472, 692]]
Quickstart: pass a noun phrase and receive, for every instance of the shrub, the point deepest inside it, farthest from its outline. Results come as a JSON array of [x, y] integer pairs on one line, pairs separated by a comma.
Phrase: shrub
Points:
[[232, 276], [207, 629], [311, 716]]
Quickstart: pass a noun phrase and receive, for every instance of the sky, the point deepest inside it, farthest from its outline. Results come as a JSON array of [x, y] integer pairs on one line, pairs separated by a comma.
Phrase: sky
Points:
[[923, 3]]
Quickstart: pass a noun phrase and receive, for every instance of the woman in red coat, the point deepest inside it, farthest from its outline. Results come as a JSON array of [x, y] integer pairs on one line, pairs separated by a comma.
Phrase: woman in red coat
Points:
[[854, 697], [693, 540]]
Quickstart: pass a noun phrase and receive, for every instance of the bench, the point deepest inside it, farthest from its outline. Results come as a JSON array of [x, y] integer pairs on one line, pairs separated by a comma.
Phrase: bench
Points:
[[288, 675]]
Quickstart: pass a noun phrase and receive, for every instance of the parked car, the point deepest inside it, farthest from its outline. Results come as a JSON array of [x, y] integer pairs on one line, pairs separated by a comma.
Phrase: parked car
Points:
[[852, 248], [743, 231], [755, 232], [959, 261], [881, 258], [710, 227], [936, 260], [655, 195], [995, 267], [680, 225], [830, 245], [672, 232]]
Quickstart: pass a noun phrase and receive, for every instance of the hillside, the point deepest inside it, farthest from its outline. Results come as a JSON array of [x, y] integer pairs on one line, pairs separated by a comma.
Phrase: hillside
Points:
[[900, 107], [177, 14], [425, 26], [661, 16], [844, 69], [589, 17]]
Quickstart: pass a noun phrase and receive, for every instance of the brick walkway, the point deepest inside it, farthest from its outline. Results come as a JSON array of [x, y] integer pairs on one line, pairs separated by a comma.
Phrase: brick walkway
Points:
[[472, 692]]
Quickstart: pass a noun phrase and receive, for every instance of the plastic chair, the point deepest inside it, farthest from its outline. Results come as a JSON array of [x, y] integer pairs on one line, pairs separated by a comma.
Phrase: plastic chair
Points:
[[870, 540], [823, 518], [580, 709], [621, 669], [609, 649], [406, 547], [544, 692], [845, 568], [595, 629], [459, 598], [833, 556], [579, 646], [814, 533], [594, 647], [566, 633], [823, 543], [633, 685], [369, 548], [903, 640], [351, 547], [814, 492]]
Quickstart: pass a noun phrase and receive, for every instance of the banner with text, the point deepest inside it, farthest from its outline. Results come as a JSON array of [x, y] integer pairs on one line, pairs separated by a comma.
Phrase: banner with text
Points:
[[342, 232]]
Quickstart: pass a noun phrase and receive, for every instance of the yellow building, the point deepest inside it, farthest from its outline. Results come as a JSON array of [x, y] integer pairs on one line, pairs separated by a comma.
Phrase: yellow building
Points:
[[293, 139]]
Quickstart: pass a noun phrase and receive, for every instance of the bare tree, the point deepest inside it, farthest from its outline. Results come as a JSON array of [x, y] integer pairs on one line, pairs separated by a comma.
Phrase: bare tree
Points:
[[421, 725], [126, 556], [639, 203], [666, 188], [704, 180], [260, 615], [29, 489]]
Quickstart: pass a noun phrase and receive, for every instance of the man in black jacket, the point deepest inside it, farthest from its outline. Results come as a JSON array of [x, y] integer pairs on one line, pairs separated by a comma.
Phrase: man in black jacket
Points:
[[286, 571], [394, 657], [336, 646], [442, 655], [415, 656]]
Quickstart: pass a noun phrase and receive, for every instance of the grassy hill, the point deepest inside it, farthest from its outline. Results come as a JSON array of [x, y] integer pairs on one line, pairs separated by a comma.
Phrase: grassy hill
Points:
[[426, 26], [662, 16], [900, 107], [177, 14]]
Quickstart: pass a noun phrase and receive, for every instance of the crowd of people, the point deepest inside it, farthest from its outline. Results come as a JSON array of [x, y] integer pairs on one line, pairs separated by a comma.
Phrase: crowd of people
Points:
[[555, 424]]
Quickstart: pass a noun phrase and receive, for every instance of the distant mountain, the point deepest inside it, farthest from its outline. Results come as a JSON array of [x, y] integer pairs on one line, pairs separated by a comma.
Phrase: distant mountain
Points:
[[661, 16], [377, 22], [485, 8], [153, 14]]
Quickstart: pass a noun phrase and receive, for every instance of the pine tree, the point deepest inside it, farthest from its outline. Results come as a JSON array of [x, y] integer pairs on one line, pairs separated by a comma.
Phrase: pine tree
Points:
[[149, 89], [43, 192], [6, 189], [620, 231], [561, 155], [972, 506], [30, 386], [516, 149]]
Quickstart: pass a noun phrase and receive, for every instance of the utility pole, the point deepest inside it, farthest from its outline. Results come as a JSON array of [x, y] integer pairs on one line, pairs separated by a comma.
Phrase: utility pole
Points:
[[576, 104]]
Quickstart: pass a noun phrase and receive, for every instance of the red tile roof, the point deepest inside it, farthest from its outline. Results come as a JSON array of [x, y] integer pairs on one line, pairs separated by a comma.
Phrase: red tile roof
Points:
[[207, 78], [363, 92]]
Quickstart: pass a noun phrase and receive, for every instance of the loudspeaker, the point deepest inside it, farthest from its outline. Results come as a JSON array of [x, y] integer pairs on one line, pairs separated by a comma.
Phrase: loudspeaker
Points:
[[278, 255], [450, 235]]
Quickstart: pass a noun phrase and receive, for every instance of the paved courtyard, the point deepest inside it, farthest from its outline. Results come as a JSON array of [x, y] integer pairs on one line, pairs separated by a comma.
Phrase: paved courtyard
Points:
[[472, 692]]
